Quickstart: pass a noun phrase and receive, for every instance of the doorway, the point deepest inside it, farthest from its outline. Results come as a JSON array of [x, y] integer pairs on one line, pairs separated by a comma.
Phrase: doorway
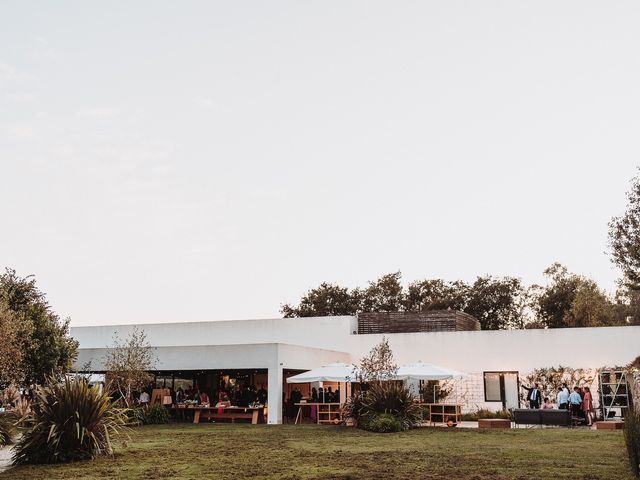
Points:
[[502, 387]]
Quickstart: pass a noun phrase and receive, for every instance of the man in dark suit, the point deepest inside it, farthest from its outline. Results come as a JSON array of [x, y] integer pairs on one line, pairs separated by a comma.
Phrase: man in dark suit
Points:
[[534, 395]]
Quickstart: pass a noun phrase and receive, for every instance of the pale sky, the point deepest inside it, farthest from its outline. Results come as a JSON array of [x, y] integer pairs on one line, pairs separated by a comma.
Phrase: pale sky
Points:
[[180, 161]]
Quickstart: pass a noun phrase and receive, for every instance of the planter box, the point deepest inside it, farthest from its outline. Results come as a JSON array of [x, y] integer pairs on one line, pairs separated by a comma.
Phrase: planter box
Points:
[[615, 425], [494, 423]]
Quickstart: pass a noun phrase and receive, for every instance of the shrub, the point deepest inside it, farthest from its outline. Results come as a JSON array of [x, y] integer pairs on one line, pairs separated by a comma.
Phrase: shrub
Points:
[[7, 428], [389, 399], [632, 439], [484, 413], [156, 415], [135, 416], [382, 423], [69, 421]]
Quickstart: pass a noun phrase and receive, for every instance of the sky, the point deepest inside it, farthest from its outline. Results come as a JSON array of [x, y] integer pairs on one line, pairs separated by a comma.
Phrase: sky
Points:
[[185, 161]]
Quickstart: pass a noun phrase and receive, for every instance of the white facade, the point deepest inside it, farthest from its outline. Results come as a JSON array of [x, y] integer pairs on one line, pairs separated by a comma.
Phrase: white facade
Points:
[[305, 343]]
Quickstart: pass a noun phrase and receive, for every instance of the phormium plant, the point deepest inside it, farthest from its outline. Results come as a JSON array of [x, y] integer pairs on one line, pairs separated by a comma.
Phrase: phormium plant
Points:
[[384, 407], [7, 428], [632, 439], [70, 421]]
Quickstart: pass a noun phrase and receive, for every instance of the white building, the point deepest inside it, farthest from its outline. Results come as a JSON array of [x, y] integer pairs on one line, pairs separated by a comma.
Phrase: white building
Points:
[[269, 350]]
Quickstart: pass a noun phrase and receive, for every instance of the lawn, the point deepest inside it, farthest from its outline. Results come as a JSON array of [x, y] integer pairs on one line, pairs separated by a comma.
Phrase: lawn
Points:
[[237, 452]]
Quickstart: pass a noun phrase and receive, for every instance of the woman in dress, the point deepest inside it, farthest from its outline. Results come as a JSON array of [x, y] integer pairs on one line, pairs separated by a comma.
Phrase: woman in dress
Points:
[[587, 406]]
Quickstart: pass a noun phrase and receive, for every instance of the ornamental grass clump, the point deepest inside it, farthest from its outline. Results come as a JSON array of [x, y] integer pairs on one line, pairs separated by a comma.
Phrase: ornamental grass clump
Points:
[[7, 428], [70, 421], [632, 439], [385, 407]]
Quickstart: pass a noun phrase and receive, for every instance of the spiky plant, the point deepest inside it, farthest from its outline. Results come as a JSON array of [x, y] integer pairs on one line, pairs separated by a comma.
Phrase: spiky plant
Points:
[[7, 428], [383, 402], [70, 421], [632, 439], [22, 409]]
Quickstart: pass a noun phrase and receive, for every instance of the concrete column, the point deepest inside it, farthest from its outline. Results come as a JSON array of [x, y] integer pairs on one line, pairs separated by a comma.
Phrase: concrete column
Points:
[[275, 395]]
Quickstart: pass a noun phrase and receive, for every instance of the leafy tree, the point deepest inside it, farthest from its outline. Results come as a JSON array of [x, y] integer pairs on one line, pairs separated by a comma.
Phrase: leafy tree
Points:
[[384, 295], [47, 349], [624, 237], [378, 364], [554, 301], [590, 308], [627, 305], [571, 300], [436, 295], [497, 302], [327, 299], [128, 363], [10, 348]]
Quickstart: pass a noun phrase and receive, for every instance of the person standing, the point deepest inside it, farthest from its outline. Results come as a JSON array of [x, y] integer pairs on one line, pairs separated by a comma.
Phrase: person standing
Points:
[[575, 402], [534, 396], [144, 398], [587, 406], [563, 399]]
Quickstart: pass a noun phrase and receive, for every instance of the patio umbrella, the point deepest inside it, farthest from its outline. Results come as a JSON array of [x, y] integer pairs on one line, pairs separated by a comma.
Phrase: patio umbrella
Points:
[[426, 371], [333, 372]]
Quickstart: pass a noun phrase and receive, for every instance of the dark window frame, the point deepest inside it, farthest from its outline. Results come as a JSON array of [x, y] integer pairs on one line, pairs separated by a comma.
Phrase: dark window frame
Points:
[[503, 395]]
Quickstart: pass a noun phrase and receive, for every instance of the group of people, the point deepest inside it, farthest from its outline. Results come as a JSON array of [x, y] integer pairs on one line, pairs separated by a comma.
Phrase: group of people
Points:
[[318, 395], [579, 401], [241, 396], [238, 396]]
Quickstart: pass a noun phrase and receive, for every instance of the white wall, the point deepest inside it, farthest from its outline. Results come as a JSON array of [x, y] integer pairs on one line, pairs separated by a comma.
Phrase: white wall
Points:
[[319, 332], [311, 342], [516, 350], [474, 351]]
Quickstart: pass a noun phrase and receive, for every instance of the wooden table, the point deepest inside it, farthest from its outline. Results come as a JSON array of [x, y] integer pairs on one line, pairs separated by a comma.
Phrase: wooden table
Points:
[[300, 406], [255, 414], [325, 413], [443, 412]]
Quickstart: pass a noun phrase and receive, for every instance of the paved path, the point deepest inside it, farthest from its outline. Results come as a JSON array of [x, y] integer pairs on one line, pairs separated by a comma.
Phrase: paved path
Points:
[[5, 458]]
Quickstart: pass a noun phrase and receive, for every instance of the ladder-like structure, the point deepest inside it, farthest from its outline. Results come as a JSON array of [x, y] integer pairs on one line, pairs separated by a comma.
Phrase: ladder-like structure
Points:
[[614, 394]]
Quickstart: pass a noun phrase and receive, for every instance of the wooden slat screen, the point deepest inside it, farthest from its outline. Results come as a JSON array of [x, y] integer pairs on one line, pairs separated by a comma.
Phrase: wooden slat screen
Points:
[[408, 322]]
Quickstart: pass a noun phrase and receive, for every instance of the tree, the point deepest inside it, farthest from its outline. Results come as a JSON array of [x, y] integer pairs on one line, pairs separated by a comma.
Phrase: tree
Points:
[[624, 237], [47, 349], [590, 307], [128, 363], [436, 295], [497, 303], [10, 348], [384, 295], [555, 300], [571, 300], [378, 364], [327, 299]]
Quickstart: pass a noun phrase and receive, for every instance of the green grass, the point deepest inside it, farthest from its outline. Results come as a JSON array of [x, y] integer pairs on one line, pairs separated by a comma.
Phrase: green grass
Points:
[[237, 452]]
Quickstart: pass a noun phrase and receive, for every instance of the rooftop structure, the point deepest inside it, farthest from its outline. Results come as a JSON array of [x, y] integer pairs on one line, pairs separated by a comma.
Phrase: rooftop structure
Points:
[[409, 322]]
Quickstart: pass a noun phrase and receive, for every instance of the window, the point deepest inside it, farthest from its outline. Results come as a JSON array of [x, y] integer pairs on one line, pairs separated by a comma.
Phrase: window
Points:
[[502, 387], [492, 389]]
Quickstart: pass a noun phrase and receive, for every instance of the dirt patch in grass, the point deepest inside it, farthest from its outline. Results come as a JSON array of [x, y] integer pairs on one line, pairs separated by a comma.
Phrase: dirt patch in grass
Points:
[[289, 452]]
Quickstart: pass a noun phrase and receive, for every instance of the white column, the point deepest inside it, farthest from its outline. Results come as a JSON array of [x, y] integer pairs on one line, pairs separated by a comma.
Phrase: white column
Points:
[[274, 391]]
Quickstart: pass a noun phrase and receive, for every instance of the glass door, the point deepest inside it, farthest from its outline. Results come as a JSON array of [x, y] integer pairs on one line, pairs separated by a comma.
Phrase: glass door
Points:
[[511, 397]]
